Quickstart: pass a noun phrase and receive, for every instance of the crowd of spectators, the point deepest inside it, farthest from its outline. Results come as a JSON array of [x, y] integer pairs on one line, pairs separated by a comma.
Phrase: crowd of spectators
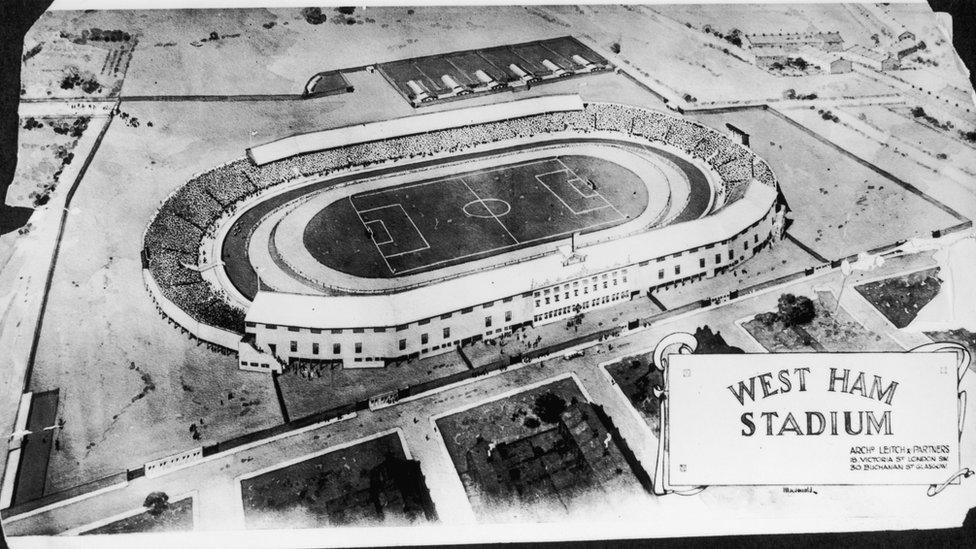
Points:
[[173, 239]]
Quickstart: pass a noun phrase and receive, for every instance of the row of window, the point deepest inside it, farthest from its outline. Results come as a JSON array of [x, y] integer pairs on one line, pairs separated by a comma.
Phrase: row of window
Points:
[[581, 306], [401, 345], [718, 258], [488, 321]]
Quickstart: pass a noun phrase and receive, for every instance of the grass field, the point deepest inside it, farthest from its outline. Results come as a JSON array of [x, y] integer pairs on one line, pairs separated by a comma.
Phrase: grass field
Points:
[[840, 206], [900, 298], [422, 226]]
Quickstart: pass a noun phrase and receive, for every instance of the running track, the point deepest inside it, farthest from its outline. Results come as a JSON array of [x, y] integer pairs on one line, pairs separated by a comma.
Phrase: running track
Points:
[[234, 250]]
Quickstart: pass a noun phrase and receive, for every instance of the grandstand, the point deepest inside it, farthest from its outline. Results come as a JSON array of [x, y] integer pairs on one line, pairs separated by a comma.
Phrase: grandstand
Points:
[[404, 322], [443, 77]]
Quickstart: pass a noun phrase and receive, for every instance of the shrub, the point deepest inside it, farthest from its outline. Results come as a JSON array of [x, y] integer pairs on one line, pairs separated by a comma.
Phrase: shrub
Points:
[[549, 407], [615, 47], [314, 16], [156, 502], [795, 310]]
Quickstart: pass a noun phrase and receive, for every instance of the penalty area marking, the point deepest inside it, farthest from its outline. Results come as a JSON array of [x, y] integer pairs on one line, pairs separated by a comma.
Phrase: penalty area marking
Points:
[[390, 240], [372, 233]]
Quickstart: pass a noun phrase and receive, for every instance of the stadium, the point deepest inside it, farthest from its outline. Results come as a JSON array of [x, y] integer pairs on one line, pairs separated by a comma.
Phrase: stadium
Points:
[[392, 240]]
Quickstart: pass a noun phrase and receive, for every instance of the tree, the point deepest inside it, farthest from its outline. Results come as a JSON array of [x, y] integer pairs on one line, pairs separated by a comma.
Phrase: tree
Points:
[[795, 310], [156, 502], [615, 47], [549, 407]]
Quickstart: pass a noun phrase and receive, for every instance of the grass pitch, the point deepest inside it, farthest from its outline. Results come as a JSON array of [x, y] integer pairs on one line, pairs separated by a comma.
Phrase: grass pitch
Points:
[[432, 224]]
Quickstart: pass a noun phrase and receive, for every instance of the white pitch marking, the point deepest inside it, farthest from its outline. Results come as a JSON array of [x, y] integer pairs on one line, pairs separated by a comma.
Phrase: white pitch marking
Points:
[[495, 217]]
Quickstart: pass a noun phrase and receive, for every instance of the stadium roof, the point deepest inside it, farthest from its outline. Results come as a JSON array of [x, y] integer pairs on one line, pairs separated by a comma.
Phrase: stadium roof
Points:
[[409, 125], [368, 311]]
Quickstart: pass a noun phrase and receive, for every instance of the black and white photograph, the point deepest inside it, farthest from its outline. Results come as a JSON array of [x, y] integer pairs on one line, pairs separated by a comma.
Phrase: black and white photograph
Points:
[[276, 275]]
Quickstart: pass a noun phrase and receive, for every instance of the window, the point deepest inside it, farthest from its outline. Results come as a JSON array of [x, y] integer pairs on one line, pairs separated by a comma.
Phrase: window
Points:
[[487, 322], [446, 316], [755, 238], [336, 348], [315, 348], [508, 316], [718, 258], [660, 274], [566, 296], [379, 330], [489, 304], [316, 331], [337, 331], [745, 245], [359, 347], [422, 322], [358, 330], [271, 326], [701, 262], [677, 269], [403, 344], [466, 310], [537, 303], [731, 255], [293, 346], [250, 324], [547, 301], [401, 327], [447, 333], [509, 300], [423, 339]]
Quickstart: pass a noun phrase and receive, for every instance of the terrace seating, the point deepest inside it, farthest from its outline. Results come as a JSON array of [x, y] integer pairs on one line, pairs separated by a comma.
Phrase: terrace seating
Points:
[[173, 238]]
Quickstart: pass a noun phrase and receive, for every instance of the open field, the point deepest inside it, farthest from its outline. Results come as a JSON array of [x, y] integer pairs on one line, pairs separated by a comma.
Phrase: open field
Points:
[[681, 58], [840, 206], [293, 48], [943, 148], [70, 56], [368, 483], [127, 378], [432, 224]]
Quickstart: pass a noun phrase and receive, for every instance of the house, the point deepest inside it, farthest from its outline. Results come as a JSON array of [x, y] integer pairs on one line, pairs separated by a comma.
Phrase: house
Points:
[[875, 59]]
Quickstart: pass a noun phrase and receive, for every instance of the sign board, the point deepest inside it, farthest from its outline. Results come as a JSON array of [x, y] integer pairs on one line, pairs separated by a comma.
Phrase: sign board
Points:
[[812, 419], [384, 400]]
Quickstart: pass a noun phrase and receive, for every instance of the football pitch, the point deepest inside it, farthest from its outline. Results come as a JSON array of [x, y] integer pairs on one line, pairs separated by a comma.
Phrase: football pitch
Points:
[[431, 224]]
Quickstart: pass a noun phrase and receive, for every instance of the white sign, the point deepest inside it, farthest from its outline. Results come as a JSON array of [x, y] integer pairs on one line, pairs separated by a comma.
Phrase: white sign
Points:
[[812, 418]]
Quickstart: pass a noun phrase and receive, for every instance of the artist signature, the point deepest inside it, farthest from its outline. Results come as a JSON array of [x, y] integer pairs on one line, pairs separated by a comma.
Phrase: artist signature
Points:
[[803, 490]]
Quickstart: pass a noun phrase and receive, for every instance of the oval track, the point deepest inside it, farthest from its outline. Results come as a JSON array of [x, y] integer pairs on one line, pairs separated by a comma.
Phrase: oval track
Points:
[[234, 249]]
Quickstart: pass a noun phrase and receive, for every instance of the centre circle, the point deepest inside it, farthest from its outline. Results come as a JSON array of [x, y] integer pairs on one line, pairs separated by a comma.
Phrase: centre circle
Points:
[[487, 207]]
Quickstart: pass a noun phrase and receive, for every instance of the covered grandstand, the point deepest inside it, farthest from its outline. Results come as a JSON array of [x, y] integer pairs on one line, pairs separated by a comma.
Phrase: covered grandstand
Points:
[[741, 218]]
